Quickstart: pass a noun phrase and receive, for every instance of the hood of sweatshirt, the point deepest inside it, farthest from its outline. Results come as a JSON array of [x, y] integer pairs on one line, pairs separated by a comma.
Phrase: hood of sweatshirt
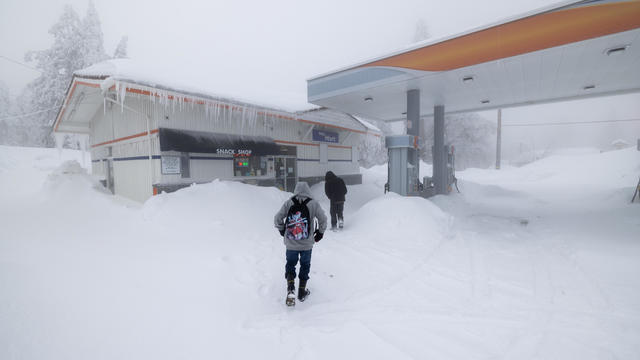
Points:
[[302, 189]]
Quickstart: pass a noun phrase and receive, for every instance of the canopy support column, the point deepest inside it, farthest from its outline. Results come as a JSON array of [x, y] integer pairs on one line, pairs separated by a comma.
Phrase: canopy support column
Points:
[[413, 112], [414, 127], [439, 152]]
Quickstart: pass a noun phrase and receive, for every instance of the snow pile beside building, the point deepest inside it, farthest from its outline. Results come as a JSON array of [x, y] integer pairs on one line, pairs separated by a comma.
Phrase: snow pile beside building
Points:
[[24, 170], [69, 180], [232, 205]]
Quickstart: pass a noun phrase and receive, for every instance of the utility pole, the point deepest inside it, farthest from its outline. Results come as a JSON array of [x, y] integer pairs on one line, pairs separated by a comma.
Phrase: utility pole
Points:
[[499, 139]]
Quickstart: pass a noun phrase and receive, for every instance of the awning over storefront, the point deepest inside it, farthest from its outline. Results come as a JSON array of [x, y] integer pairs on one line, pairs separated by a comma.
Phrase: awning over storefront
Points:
[[218, 143]]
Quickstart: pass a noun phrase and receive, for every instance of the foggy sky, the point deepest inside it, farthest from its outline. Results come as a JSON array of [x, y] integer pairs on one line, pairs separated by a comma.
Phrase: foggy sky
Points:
[[279, 44]]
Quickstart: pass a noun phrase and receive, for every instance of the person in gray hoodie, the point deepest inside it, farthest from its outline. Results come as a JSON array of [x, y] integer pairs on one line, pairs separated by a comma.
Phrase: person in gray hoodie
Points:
[[299, 237]]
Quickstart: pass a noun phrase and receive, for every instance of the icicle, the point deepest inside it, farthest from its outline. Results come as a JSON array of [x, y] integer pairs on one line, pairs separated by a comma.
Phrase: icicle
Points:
[[123, 94], [83, 142], [59, 139], [242, 119], [252, 118], [217, 121]]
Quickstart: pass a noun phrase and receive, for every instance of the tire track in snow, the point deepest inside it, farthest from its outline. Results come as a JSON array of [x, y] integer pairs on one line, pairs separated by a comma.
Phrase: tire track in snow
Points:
[[404, 276], [480, 287], [596, 296]]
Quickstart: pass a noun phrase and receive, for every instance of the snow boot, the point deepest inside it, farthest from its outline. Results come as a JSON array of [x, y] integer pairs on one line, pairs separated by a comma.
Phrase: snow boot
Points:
[[291, 292], [340, 223], [303, 292]]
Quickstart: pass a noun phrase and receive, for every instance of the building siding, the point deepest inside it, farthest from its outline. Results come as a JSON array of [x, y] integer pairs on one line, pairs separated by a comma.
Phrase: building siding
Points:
[[123, 130]]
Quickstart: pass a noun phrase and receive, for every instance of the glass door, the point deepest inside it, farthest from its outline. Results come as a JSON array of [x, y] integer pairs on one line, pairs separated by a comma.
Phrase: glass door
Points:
[[286, 169], [292, 173], [109, 176], [280, 168]]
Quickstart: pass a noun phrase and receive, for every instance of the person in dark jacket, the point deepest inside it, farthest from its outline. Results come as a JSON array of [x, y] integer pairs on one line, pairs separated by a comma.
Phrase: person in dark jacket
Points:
[[335, 189]]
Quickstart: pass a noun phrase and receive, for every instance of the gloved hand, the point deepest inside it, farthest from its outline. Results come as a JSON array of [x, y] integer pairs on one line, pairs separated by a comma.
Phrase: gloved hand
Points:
[[281, 232], [317, 236]]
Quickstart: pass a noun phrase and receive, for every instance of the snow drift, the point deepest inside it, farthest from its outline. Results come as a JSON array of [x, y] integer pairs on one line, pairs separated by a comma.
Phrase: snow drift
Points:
[[199, 273]]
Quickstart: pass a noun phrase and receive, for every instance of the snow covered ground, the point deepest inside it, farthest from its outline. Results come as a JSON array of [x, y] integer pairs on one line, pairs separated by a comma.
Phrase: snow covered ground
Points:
[[538, 262]]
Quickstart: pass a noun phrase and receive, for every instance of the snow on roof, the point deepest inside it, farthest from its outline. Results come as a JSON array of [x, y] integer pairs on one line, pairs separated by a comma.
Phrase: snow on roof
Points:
[[367, 124], [619, 142], [184, 79]]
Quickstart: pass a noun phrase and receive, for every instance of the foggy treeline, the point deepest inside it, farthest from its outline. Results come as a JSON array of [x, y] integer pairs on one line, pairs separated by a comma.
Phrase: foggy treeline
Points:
[[77, 43]]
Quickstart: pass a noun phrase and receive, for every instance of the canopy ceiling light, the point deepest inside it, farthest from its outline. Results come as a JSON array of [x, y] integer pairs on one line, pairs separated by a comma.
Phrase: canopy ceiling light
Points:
[[618, 50]]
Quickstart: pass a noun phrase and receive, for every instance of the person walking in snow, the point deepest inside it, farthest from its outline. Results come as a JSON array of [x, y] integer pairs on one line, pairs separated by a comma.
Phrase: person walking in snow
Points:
[[295, 222], [335, 189]]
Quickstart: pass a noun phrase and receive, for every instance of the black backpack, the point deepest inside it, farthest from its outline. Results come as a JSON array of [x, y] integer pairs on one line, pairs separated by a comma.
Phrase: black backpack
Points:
[[298, 224]]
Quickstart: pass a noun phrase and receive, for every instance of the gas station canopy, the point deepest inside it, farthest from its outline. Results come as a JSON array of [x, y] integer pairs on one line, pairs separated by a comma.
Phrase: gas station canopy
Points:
[[572, 50]]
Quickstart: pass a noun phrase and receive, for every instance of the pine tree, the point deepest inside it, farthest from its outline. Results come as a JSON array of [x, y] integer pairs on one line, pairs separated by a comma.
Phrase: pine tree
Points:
[[57, 64], [5, 100], [422, 31], [472, 136], [372, 151], [77, 44], [121, 49], [92, 37], [5, 111]]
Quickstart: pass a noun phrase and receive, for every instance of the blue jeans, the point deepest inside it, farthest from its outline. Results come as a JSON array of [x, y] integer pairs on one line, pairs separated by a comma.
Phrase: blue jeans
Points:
[[292, 261]]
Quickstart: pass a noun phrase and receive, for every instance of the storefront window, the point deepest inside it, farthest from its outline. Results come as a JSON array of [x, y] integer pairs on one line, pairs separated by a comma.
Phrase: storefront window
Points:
[[250, 165]]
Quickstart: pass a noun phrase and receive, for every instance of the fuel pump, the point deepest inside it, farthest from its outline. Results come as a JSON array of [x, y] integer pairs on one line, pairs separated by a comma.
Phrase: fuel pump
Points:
[[451, 168], [404, 167], [428, 186]]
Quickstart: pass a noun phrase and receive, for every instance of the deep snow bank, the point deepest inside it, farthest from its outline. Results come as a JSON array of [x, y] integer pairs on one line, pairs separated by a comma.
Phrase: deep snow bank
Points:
[[611, 169], [394, 219], [71, 181], [199, 273]]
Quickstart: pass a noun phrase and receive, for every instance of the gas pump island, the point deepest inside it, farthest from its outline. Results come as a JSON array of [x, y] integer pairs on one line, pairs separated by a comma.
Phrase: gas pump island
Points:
[[592, 51], [404, 168], [404, 156]]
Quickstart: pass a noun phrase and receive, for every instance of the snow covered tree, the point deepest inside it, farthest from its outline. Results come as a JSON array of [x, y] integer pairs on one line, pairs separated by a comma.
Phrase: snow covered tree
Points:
[[422, 31], [57, 65], [472, 136], [93, 42], [5, 111], [77, 44], [372, 151], [121, 49], [5, 100]]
